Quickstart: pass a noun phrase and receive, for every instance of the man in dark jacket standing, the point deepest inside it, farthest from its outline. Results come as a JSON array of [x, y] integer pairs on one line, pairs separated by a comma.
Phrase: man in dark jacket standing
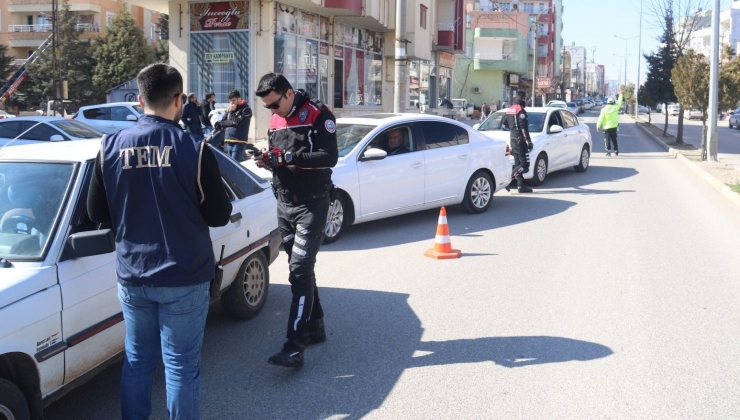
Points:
[[208, 105], [191, 115], [302, 151], [160, 188], [521, 143], [236, 124]]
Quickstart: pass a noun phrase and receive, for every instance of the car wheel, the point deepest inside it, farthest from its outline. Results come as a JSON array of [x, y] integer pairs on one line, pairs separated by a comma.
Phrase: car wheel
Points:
[[335, 219], [585, 157], [13, 404], [540, 170], [247, 295], [478, 193]]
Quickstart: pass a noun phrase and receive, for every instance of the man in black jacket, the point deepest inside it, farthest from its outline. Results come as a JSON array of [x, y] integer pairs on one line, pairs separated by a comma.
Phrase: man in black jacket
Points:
[[191, 115], [236, 125], [160, 188], [208, 105], [302, 151]]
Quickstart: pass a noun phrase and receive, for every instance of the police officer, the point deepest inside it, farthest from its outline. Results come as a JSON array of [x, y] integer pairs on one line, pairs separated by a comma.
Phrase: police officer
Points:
[[521, 143], [160, 188], [302, 149]]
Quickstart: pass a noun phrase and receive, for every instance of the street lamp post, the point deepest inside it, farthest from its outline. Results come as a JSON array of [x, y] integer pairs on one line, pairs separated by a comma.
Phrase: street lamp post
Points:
[[639, 60], [625, 55]]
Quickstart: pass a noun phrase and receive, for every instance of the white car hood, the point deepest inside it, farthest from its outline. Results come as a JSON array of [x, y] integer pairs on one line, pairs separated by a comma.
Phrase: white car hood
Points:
[[17, 283]]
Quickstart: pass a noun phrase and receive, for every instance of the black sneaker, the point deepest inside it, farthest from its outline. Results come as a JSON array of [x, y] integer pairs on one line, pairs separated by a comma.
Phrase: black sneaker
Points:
[[608, 153], [316, 332], [290, 356], [524, 189], [616, 153]]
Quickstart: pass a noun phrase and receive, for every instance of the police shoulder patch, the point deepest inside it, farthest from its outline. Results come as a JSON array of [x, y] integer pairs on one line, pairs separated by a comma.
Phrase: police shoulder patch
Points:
[[303, 114], [522, 115], [330, 126]]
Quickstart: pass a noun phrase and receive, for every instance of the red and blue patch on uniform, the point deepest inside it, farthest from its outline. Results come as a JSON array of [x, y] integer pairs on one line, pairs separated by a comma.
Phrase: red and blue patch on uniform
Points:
[[330, 126]]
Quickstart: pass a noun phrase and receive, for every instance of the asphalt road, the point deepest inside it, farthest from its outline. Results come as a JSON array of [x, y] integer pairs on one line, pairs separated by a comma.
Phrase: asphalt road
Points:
[[610, 294]]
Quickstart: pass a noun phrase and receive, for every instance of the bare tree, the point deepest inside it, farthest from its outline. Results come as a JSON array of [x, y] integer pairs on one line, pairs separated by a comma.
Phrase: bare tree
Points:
[[686, 17]]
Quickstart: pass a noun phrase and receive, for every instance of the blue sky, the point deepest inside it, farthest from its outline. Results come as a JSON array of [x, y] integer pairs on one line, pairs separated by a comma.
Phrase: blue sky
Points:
[[593, 23]]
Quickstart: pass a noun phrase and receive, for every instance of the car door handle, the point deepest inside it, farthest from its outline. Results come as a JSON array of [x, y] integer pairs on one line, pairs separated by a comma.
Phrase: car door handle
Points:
[[416, 165], [236, 217], [463, 156]]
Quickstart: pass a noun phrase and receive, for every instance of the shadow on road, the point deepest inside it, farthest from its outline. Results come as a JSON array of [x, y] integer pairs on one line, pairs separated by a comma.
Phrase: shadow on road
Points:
[[373, 337]]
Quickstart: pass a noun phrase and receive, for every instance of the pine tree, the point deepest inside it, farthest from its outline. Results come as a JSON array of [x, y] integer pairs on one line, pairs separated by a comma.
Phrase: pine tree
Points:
[[76, 64], [122, 53], [691, 84], [5, 64], [162, 51], [658, 85]]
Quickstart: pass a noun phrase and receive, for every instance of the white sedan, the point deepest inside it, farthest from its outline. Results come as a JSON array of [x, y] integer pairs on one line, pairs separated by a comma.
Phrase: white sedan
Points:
[[445, 162], [28, 130], [61, 318], [560, 141]]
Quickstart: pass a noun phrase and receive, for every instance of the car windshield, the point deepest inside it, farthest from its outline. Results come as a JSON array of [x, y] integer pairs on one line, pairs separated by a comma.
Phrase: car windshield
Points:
[[497, 122], [138, 109], [348, 135], [31, 197], [77, 129]]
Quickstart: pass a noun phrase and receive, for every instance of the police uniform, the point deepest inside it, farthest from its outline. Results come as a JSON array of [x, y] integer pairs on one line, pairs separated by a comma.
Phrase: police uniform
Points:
[[307, 138], [518, 123]]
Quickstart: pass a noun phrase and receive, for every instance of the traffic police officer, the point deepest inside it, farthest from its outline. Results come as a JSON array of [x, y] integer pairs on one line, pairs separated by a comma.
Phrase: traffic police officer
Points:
[[521, 143], [302, 149]]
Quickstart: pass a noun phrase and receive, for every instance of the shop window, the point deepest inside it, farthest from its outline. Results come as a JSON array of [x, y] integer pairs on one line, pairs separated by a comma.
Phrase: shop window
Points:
[[219, 63], [423, 17]]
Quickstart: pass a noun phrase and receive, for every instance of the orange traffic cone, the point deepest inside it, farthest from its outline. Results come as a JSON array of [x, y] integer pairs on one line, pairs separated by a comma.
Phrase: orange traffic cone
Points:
[[442, 247]]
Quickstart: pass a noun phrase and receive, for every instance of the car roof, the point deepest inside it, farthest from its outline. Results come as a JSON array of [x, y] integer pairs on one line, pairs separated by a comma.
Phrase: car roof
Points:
[[66, 151], [382, 118], [109, 105], [38, 118]]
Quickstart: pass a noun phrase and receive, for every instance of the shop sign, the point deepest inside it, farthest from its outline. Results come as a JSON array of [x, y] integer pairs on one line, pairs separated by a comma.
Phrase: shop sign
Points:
[[338, 52], [307, 25], [513, 79], [219, 57], [219, 16], [446, 60], [323, 48], [543, 82]]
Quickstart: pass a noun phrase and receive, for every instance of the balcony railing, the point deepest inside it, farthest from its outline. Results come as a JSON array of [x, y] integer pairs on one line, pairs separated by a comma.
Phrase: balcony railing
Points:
[[88, 27]]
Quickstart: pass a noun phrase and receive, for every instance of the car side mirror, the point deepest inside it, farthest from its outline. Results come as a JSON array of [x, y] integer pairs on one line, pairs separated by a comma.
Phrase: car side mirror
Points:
[[87, 244], [56, 137], [373, 154], [131, 117], [476, 126], [555, 129]]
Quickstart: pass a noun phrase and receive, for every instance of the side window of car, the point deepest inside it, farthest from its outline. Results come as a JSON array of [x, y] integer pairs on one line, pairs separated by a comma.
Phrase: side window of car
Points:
[[569, 119], [440, 134], [554, 120], [119, 113], [237, 177], [10, 129], [396, 138], [94, 114], [42, 132]]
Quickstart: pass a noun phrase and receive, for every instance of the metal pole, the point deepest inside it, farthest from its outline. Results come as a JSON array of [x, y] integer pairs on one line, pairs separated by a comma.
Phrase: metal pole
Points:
[[534, 61], [399, 95], [713, 86], [639, 58]]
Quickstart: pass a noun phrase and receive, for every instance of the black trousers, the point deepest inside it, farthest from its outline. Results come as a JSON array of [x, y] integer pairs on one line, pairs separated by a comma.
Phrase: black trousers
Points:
[[610, 137], [519, 151], [302, 229]]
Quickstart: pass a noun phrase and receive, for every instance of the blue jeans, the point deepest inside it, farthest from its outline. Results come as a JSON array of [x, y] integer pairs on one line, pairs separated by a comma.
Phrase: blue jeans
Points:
[[164, 323], [236, 150]]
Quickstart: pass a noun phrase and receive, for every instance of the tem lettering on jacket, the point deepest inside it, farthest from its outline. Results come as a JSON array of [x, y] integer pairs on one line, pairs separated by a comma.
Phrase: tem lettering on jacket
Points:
[[145, 157]]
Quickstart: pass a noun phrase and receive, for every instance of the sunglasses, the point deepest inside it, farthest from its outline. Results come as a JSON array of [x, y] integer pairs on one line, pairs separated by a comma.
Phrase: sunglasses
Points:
[[276, 104]]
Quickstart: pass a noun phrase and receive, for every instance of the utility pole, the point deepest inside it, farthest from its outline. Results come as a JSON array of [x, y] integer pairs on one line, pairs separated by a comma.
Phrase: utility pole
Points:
[[401, 76], [713, 86], [55, 65], [639, 59]]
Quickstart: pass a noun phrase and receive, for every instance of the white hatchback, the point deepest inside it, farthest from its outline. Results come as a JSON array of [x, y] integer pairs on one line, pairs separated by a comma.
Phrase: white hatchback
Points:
[[61, 320], [560, 140]]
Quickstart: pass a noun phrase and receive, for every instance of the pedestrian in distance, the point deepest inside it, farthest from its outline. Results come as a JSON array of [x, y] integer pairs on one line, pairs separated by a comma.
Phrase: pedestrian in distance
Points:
[[160, 188], [517, 120], [191, 115], [208, 105], [609, 120], [235, 123], [483, 111], [301, 181]]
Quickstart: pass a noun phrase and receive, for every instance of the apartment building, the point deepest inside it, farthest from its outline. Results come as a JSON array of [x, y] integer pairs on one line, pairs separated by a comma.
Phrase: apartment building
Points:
[[729, 30], [26, 24], [511, 46], [340, 51], [578, 70]]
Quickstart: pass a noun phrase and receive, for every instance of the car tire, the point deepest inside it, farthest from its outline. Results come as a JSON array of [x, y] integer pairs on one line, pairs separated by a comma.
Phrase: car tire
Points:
[[247, 295], [478, 193], [540, 170], [584, 160], [13, 404], [335, 219]]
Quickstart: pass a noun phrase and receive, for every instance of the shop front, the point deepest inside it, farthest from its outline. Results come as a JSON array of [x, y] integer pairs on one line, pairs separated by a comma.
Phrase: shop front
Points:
[[358, 67]]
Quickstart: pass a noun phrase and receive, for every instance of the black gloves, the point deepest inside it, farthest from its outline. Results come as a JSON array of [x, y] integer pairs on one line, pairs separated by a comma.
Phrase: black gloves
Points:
[[272, 158], [218, 126]]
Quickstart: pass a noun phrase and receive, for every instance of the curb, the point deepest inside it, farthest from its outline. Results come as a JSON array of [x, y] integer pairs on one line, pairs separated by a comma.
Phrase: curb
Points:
[[706, 176]]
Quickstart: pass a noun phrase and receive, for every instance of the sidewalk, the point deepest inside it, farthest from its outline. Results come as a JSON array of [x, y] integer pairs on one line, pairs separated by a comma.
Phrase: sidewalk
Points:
[[724, 178]]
